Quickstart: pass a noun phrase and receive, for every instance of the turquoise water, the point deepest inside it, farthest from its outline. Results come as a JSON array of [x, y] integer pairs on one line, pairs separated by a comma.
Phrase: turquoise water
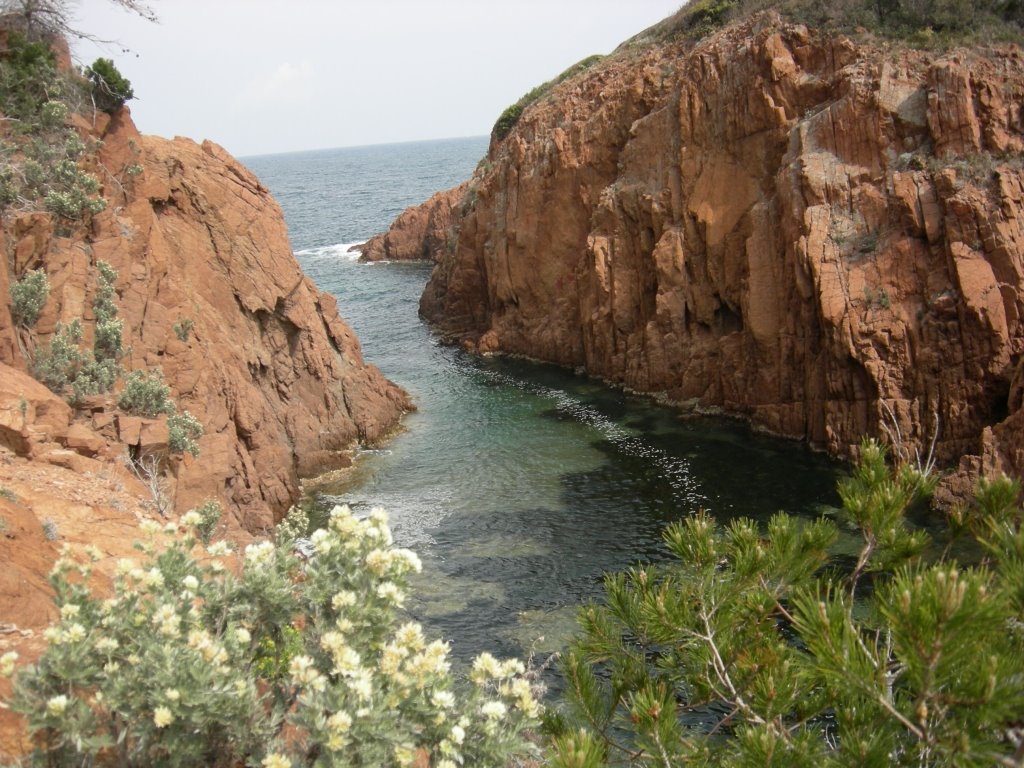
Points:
[[519, 484]]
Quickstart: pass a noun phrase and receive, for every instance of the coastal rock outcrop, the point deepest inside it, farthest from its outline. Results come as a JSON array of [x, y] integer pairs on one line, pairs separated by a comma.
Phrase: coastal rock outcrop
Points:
[[211, 296], [822, 235], [423, 232]]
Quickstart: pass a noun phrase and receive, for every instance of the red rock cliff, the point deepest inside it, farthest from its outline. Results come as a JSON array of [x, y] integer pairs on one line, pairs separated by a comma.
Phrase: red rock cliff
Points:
[[799, 228], [269, 368], [420, 233]]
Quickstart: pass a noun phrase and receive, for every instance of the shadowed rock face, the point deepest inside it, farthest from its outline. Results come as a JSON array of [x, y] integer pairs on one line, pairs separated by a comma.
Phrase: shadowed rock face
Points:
[[269, 368], [821, 236]]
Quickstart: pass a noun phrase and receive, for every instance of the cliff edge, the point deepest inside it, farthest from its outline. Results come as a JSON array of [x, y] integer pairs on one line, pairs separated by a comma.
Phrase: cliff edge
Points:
[[821, 234]]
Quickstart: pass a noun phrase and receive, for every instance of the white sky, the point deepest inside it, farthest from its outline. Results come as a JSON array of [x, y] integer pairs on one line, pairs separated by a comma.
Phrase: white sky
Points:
[[263, 76]]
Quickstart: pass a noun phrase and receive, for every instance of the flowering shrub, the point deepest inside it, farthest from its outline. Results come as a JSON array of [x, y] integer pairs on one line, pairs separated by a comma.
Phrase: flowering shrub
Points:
[[183, 431], [262, 659], [28, 297]]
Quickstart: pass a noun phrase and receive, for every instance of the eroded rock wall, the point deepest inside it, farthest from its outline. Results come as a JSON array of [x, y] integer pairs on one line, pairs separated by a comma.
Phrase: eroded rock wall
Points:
[[821, 235]]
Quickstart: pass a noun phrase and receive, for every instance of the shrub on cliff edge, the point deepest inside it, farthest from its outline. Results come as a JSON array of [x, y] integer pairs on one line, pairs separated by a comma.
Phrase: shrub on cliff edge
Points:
[[508, 119], [275, 661], [920, 21], [110, 89]]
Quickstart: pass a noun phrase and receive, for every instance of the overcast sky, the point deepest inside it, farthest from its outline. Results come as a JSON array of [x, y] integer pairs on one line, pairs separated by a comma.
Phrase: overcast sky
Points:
[[261, 77]]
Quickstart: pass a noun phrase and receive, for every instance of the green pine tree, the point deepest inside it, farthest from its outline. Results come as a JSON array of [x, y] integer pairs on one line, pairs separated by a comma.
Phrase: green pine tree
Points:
[[750, 649]]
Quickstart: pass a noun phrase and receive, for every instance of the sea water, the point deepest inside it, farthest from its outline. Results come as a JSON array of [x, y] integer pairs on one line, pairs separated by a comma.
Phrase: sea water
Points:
[[519, 484]]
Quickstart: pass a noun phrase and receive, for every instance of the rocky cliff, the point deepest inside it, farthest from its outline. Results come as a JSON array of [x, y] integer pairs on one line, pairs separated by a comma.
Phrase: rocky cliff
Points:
[[821, 234], [268, 367], [423, 232]]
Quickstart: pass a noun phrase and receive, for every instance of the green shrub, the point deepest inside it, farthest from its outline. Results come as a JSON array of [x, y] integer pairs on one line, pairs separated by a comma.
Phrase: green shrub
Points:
[[207, 517], [57, 364], [28, 297], [508, 119], [110, 89], [184, 430], [28, 77], [283, 662], [72, 372], [775, 660], [93, 377], [39, 169], [146, 394], [183, 329]]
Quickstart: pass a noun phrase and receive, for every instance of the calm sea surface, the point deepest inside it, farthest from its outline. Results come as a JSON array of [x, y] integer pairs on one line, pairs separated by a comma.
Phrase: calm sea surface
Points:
[[518, 484]]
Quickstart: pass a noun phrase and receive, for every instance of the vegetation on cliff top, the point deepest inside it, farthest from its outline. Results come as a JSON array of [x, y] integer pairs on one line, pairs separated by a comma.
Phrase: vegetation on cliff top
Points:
[[508, 119], [920, 22]]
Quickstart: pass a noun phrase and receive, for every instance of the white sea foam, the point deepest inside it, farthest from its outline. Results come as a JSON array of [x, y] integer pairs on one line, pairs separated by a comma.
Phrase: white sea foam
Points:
[[338, 251]]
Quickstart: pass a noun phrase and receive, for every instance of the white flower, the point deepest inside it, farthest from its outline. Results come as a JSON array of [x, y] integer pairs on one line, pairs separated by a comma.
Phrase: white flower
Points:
[[343, 522], [339, 722], [170, 528], [242, 636], [7, 663], [275, 760], [259, 555], [172, 694], [410, 636], [458, 734], [304, 672], [191, 519], [56, 706], [53, 635], [322, 541], [93, 552], [106, 644], [407, 560], [511, 667], [69, 611], [153, 578], [379, 515], [493, 710], [162, 717], [343, 599], [389, 591], [361, 685], [443, 699], [485, 667], [377, 561], [346, 661], [75, 633], [391, 659], [190, 583], [445, 763], [150, 528], [219, 549]]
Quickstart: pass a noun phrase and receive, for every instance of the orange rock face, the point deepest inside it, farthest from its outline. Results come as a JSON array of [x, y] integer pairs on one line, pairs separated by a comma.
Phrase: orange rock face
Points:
[[211, 295], [422, 232], [822, 236]]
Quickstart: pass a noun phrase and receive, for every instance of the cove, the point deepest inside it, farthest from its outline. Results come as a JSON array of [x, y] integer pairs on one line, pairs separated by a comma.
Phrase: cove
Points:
[[519, 484]]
